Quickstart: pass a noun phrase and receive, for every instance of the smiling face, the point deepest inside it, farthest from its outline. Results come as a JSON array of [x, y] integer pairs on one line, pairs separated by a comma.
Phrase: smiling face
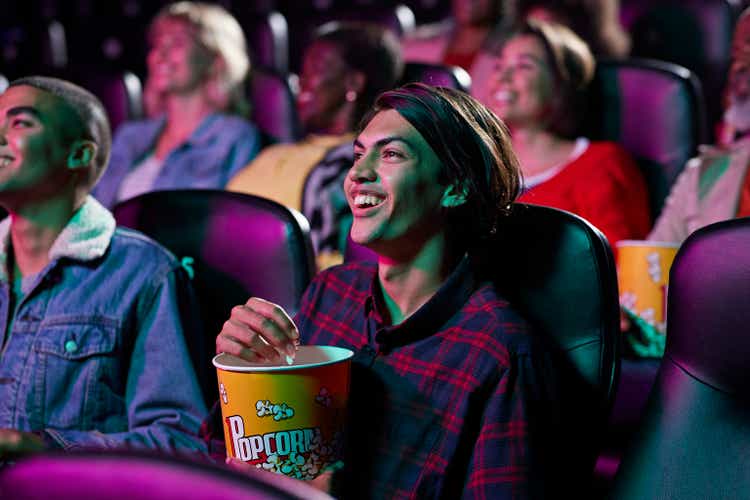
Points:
[[32, 152], [392, 187], [521, 88], [177, 62]]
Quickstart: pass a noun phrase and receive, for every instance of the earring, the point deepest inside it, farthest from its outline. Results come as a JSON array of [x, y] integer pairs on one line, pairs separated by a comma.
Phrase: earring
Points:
[[351, 95]]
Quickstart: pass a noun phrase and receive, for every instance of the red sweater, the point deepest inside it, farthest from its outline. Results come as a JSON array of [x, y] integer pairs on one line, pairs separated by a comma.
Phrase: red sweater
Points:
[[605, 187]]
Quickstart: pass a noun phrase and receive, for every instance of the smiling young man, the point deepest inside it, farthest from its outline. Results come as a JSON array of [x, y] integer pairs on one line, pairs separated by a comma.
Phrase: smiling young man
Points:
[[90, 316], [445, 375]]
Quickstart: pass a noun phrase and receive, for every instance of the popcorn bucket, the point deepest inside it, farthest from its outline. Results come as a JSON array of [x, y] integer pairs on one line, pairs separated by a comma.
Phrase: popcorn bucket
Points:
[[286, 418], [643, 275]]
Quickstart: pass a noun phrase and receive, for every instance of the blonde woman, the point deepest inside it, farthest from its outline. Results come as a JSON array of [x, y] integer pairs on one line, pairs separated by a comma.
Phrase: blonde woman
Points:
[[196, 136]]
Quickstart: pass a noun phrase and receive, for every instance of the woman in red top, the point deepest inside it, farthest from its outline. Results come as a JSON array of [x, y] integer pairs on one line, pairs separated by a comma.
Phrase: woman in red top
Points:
[[538, 89]]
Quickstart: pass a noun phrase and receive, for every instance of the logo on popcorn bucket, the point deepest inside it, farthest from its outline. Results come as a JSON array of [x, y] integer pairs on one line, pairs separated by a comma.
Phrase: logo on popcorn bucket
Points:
[[286, 418]]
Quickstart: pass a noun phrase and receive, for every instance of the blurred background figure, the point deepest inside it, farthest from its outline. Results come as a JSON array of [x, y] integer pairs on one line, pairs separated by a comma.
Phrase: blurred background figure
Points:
[[197, 136], [457, 40], [597, 22], [539, 90], [715, 185], [344, 69]]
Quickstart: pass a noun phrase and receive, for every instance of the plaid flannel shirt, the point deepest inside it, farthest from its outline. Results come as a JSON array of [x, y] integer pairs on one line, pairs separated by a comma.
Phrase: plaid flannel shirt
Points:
[[439, 403]]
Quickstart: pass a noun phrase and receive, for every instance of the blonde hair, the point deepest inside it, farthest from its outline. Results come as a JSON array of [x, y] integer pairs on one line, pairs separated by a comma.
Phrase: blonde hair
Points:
[[220, 33]]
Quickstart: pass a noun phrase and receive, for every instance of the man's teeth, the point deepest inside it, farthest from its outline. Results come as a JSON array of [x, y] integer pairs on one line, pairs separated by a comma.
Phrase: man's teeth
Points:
[[362, 200], [5, 161]]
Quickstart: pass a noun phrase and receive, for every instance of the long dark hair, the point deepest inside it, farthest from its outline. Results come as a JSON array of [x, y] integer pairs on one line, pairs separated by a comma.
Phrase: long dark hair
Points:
[[474, 148]]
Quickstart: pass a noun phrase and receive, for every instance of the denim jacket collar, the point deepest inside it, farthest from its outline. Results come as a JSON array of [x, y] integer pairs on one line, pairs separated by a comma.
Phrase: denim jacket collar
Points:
[[86, 236]]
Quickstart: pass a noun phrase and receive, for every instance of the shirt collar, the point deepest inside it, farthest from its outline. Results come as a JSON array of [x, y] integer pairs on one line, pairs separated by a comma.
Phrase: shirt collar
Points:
[[447, 301], [85, 237]]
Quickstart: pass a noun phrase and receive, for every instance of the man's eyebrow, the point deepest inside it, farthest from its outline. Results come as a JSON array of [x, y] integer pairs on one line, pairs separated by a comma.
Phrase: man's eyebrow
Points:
[[386, 140], [20, 110]]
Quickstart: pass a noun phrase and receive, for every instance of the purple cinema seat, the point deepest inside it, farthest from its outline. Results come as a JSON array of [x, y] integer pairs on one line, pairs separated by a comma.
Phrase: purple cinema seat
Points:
[[126, 476], [268, 39], [696, 34], [273, 105], [694, 440], [234, 246], [120, 92], [654, 110]]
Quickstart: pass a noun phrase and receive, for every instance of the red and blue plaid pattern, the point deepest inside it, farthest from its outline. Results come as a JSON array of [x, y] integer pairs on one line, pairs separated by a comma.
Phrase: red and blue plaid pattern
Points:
[[439, 402]]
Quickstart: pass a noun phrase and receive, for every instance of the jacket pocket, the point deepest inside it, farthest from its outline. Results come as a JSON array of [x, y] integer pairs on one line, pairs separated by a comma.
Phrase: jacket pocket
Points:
[[78, 383]]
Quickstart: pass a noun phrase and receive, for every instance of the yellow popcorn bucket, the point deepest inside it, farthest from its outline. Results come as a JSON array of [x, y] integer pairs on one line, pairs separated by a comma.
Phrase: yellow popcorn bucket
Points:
[[643, 275], [286, 418]]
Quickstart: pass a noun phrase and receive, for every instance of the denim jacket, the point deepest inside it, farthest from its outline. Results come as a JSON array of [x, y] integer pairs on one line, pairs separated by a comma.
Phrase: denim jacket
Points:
[[96, 355], [216, 150]]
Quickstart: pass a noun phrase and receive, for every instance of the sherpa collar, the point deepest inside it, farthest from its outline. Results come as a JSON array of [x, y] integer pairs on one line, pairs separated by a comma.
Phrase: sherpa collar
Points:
[[86, 236]]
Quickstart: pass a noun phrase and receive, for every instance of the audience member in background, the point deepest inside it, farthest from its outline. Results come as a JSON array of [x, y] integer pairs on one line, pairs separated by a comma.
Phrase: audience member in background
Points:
[[539, 90], [198, 138], [448, 386], [597, 22], [457, 40], [344, 69], [92, 323], [715, 185]]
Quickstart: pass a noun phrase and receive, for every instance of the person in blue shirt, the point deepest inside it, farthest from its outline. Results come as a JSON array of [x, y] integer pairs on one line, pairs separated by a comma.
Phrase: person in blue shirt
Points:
[[93, 318], [196, 136]]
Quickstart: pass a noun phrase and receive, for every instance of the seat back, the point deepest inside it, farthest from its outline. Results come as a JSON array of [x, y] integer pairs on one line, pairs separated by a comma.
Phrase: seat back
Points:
[[124, 475], [120, 92], [268, 40], [558, 271], [273, 106], [694, 439], [695, 34], [653, 109], [235, 246], [437, 75]]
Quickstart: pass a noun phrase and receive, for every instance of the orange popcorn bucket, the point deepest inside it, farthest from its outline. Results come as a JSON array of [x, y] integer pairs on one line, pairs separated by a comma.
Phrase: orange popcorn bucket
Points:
[[286, 418], [643, 275]]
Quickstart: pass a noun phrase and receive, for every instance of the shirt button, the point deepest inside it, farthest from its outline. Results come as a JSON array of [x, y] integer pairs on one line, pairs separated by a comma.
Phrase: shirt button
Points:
[[71, 346]]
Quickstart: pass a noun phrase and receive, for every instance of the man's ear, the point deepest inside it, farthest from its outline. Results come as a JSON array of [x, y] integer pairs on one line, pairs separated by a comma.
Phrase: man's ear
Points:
[[82, 154], [454, 196]]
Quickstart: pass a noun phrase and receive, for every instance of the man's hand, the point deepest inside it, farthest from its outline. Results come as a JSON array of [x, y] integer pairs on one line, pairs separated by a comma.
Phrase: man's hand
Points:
[[322, 482], [259, 331], [13, 442]]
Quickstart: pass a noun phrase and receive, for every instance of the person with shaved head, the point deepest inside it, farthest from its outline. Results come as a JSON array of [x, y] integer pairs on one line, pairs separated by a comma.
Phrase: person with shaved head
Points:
[[91, 316]]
